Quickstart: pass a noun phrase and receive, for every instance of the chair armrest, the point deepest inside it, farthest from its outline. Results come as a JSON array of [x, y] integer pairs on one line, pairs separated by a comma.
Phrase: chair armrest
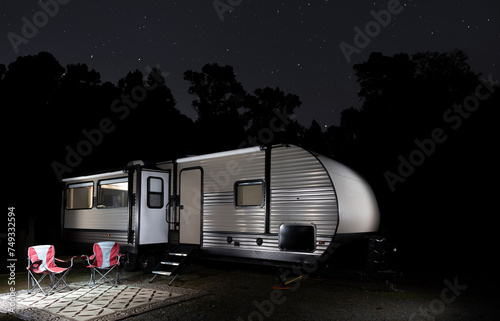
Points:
[[34, 265], [65, 261], [88, 258], [120, 256]]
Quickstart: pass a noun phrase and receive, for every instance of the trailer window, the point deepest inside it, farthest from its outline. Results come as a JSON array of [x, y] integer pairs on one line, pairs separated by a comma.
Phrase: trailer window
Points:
[[155, 192], [79, 196], [112, 193], [249, 193]]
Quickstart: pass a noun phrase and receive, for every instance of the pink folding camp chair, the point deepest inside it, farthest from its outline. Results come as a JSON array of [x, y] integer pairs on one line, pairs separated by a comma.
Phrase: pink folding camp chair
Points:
[[106, 257], [41, 261]]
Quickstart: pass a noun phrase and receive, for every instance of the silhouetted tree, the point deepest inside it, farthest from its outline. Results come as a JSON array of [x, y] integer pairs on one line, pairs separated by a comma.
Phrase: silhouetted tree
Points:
[[148, 124], [29, 86], [162, 121], [405, 99], [219, 93], [3, 70], [80, 100], [314, 139], [79, 73], [53, 110], [270, 117], [220, 101]]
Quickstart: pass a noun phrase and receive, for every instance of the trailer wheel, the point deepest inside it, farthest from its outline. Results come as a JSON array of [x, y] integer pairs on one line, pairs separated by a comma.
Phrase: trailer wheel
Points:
[[148, 262], [131, 263]]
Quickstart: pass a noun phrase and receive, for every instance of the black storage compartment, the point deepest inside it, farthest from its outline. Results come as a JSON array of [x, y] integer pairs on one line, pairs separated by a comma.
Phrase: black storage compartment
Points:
[[297, 237]]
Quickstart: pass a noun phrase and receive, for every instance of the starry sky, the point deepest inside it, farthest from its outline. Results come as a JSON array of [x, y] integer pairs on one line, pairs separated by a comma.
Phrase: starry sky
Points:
[[295, 45]]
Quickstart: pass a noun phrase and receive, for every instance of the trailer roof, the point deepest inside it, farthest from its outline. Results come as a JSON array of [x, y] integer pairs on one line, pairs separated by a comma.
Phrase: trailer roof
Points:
[[71, 179], [220, 154]]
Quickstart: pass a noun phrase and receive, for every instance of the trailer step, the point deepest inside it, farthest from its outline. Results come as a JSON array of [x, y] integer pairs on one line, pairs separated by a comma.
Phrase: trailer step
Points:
[[162, 273], [178, 254], [173, 265]]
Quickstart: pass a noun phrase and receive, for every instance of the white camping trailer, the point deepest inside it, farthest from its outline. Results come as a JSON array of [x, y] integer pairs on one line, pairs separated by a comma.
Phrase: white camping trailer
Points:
[[280, 203]]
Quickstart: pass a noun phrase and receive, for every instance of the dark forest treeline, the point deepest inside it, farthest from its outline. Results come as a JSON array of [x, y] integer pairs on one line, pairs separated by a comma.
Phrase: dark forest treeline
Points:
[[425, 138]]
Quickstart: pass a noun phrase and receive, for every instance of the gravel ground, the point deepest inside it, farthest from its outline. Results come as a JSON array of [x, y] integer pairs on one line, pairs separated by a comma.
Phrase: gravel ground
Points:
[[240, 292]]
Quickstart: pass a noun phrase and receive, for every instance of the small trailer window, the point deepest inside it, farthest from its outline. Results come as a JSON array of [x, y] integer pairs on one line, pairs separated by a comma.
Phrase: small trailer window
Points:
[[155, 192], [112, 193], [79, 196], [249, 193]]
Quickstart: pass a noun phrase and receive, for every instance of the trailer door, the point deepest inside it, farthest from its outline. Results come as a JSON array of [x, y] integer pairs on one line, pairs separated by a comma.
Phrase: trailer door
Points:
[[153, 203], [190, 206]]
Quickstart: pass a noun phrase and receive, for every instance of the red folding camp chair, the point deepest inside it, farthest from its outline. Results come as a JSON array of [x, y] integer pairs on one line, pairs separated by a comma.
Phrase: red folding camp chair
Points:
[[106, 257], [41, 261]]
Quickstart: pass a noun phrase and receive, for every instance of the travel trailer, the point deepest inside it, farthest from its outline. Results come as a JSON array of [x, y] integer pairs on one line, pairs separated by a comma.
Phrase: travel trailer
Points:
[[276, 203]]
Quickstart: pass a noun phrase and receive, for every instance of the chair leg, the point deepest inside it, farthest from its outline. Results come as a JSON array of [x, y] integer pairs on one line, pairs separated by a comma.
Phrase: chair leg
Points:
[[105, 277], [34, 282], [92, 278], [62, 279]]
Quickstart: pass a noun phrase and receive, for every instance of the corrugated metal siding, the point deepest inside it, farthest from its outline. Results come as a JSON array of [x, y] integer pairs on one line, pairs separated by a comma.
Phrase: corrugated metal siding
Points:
[[83, 236], [219, 176], [110, 218], [301, 191], [220, 214], [247, 242]]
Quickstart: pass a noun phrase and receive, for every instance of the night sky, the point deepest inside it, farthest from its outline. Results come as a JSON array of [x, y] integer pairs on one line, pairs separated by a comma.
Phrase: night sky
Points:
[[294, 45]]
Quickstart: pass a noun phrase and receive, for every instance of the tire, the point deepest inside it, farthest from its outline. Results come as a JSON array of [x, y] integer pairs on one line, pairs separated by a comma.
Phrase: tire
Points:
[[148, 262], [131, 263]]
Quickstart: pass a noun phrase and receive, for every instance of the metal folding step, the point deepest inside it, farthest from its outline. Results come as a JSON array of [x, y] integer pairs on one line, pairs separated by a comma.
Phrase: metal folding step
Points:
[[173, 264]]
